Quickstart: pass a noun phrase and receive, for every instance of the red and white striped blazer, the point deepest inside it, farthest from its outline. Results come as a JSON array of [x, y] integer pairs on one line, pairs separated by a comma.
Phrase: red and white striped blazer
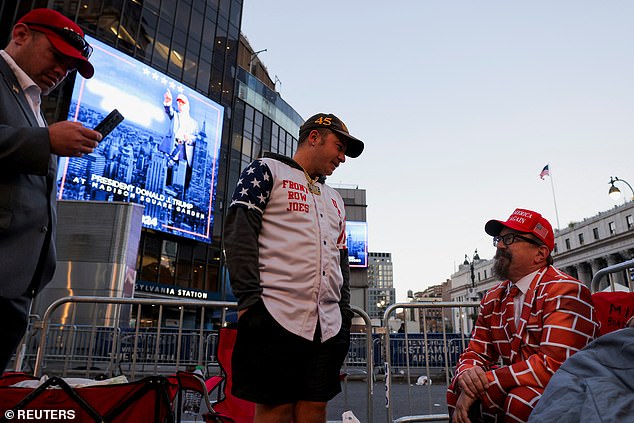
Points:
[[557, 320]]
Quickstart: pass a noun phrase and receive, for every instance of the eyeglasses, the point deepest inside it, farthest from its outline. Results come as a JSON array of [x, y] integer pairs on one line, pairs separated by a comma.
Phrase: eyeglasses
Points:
[[71, 37], [510, 238]]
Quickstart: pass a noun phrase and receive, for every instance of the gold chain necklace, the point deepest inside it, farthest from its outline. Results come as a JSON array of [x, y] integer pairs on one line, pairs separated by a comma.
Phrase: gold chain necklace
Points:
[[312, 187]]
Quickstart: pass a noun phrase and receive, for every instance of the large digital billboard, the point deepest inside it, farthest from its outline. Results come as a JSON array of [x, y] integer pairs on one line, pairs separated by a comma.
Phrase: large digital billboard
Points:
[[164, 155], [357, 242]]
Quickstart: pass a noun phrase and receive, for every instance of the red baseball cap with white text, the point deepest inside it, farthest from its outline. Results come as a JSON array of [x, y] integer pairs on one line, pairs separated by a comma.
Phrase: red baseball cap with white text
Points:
[[527, 221]]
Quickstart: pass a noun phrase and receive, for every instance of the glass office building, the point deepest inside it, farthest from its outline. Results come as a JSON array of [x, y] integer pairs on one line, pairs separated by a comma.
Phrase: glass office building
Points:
[[197, 44]]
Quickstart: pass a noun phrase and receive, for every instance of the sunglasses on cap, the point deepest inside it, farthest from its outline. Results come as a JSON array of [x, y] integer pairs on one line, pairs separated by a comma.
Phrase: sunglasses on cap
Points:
[[71, 37]]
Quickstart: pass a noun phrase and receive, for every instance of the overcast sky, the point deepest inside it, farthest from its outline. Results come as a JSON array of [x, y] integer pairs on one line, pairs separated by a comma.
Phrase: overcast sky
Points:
[[460, 104]]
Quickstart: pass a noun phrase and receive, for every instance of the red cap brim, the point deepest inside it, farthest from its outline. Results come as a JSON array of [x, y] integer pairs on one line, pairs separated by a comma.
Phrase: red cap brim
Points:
[[84, 67]]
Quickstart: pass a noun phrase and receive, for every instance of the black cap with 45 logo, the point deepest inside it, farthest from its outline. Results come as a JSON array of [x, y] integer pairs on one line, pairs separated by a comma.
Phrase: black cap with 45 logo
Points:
[[354, 146]]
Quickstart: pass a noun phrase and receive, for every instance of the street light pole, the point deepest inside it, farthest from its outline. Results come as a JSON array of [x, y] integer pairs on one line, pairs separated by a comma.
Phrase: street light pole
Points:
[[470, 263], [615, 192], [472, 274], [473, 294], [253, 56]]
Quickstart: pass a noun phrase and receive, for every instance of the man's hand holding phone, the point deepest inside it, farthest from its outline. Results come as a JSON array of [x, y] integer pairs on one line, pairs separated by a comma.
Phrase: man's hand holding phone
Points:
[[109, 123], [72, 139]]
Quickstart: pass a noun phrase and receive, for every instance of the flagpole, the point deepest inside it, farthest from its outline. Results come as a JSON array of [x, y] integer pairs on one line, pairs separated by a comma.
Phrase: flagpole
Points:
[[552, 186]]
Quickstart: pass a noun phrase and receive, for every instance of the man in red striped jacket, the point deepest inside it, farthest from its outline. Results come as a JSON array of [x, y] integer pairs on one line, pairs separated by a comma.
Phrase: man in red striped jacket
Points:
[[527, 327]]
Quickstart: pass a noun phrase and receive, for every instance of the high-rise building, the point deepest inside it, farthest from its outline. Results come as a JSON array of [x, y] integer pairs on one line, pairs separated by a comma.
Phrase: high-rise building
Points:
[[381, 292]]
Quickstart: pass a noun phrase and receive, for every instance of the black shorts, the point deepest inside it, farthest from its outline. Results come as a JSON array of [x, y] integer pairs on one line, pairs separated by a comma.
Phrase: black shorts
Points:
[[273, 366]]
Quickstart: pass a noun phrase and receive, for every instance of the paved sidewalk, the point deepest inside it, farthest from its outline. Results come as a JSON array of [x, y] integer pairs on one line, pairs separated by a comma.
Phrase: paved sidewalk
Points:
[[407, 400]]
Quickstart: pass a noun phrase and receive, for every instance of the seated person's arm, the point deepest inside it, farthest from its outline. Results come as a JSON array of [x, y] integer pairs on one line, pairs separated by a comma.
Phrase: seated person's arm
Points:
[[569, 324], [479, 357]]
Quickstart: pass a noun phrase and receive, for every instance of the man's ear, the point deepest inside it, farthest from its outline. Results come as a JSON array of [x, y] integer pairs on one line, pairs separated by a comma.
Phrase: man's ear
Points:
[[20, 33], [542, 254]]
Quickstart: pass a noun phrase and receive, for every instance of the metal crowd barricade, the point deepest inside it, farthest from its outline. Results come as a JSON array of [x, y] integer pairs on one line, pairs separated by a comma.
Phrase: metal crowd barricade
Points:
[[157, 350], [596, 279], [164, 347], [438, 351], [355, 359]]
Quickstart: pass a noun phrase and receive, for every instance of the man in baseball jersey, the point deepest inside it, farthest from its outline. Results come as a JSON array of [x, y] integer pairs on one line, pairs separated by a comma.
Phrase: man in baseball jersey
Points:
[[285, 243], [527, 327]]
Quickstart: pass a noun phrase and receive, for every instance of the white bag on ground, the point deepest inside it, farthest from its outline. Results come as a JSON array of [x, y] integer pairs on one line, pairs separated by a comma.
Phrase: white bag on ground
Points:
[[349, 417]]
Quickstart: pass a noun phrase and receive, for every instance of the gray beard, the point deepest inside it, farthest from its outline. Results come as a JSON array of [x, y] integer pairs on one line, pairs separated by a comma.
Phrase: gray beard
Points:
[[501, 266]]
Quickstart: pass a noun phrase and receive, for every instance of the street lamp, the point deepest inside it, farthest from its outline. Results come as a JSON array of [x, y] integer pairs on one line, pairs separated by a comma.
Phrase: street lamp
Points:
[[471, 292], [470, 264], [381, 305], [253, 56], [383, 299], [615, 192]]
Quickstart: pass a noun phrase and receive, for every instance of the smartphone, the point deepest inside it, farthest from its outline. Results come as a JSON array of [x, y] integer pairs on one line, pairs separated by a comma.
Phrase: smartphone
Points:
[[109, 123]]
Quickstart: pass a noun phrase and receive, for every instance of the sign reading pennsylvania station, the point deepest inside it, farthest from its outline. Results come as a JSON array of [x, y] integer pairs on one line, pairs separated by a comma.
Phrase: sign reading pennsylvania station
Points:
[[170, 290]]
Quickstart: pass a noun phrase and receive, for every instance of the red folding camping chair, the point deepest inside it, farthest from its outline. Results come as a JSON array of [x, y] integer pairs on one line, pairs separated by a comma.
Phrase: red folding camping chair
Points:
[[158, 399], [613, 309], [238, 410], [146, 400], [191, 399]]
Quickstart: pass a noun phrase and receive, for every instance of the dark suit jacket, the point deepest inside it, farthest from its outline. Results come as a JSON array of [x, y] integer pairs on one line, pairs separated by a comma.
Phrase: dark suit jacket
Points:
[[27, 194]]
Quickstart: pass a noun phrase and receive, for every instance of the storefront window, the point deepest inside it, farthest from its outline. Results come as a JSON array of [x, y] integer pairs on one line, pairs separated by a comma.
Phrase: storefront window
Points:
[[150, 259], [167, 268]]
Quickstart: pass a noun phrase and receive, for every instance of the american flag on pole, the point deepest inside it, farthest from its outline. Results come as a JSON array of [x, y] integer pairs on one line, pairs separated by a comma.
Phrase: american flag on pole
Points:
[[545, 172]]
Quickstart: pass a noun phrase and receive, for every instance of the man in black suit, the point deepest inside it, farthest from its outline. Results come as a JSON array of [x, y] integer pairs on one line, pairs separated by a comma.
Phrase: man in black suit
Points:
[[45, 47]]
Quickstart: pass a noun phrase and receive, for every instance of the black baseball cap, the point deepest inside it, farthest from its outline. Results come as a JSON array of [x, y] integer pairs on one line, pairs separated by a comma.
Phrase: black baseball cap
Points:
[[354, 146]]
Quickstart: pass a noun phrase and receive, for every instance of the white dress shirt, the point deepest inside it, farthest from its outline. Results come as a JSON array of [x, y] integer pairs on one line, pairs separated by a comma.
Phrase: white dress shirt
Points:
[[32, 92], [523, 284]]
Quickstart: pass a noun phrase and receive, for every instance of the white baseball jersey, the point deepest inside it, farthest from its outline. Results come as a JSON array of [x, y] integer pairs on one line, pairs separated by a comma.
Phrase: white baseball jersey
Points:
[[299, 243]]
